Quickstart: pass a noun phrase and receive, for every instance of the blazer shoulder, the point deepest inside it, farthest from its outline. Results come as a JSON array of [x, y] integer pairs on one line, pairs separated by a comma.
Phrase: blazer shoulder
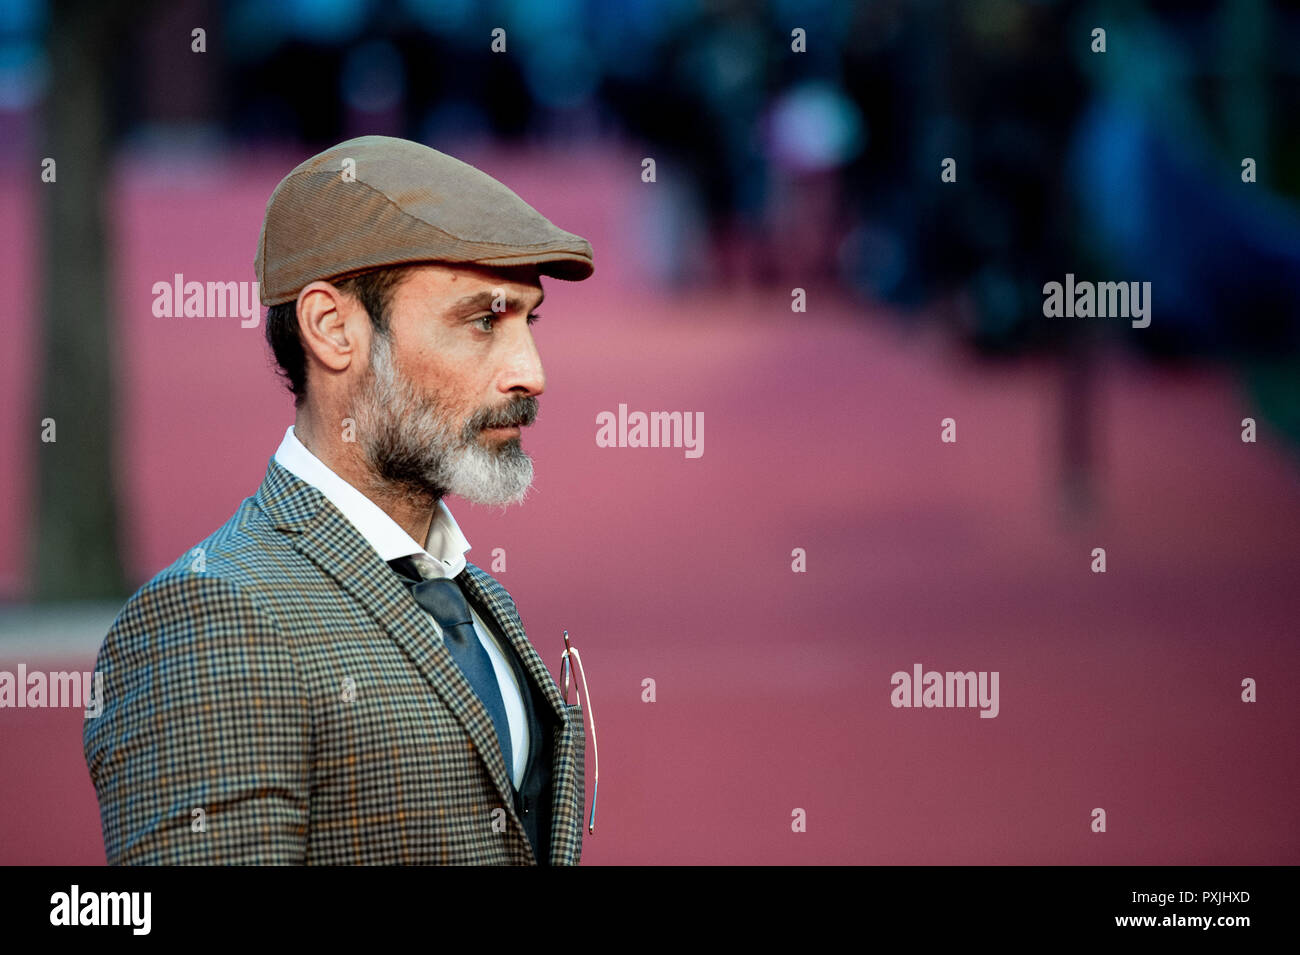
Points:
[[247, 556], [221, 582]]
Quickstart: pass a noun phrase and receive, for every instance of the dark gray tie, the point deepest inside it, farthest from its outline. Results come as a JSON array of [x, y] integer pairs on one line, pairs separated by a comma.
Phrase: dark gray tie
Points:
[[443, 598]]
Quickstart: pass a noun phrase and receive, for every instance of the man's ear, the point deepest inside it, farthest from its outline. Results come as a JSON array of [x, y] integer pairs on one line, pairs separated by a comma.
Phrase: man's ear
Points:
[[327, 325]]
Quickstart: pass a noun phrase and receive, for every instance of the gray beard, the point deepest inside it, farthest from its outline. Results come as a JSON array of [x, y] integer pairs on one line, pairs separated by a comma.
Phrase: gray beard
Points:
[[414, 448]]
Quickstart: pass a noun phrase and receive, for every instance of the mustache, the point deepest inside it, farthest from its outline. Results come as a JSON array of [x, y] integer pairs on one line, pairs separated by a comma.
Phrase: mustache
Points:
[[518, 414]]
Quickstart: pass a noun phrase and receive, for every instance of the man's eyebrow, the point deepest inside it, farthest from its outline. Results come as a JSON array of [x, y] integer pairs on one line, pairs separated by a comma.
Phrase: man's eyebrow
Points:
[[484, 300]]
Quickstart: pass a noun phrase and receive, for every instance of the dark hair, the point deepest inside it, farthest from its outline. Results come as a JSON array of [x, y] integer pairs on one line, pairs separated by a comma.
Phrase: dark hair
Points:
[[374, 289]]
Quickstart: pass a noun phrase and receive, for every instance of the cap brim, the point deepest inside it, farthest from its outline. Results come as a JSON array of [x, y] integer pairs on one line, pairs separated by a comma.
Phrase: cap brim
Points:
[[560, 265]]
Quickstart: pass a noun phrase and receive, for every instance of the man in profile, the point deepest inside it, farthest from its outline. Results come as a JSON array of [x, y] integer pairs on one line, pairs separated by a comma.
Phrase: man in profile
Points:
[[326, 679]]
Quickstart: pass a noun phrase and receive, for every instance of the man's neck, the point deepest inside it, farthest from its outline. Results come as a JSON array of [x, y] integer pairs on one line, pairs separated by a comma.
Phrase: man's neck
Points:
[[411, 509]]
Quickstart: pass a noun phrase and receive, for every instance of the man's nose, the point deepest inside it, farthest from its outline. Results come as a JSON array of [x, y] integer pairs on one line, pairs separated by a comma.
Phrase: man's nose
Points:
[[524, 365]]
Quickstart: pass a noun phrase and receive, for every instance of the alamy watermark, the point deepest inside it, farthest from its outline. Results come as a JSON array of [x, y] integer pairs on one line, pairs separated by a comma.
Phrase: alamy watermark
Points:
[[61, 688], [75, 907], [181, 299], [931, 688], [656, 429], [1098, 300]]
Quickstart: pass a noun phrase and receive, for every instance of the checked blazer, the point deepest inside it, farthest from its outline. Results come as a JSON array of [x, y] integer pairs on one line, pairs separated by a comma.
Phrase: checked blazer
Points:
[[276, 696]]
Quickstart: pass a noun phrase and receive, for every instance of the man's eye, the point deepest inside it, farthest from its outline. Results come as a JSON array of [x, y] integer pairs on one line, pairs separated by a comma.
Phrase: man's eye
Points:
[[533, 319]]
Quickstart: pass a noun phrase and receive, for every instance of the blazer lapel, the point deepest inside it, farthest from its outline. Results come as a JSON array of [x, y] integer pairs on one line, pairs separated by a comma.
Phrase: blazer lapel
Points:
[[330, 541], [488, 593], [564, 769]]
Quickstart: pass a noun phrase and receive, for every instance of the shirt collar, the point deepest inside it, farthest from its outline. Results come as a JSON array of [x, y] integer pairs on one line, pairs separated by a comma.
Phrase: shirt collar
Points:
[[445, 543]]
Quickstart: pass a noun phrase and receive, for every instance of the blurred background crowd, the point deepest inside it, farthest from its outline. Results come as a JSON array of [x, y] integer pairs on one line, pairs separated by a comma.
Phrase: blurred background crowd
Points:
[[1068, 159]]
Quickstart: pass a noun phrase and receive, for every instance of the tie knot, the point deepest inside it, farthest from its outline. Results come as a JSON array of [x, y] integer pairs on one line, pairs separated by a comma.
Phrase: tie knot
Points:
[[427, 567], [417, 567]]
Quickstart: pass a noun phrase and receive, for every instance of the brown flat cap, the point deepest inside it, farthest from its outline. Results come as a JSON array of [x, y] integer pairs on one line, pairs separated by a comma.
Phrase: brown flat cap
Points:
[[398, 201]]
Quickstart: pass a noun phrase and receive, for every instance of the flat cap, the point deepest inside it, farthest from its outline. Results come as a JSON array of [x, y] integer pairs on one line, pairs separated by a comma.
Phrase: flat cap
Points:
[[376, 200]]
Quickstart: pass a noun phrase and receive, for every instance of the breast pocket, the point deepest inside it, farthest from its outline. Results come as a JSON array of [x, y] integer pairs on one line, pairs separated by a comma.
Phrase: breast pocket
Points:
[[576, 730]]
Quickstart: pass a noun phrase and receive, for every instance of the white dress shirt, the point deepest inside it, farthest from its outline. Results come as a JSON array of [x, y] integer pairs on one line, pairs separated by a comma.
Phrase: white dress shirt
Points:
[[445, 546]]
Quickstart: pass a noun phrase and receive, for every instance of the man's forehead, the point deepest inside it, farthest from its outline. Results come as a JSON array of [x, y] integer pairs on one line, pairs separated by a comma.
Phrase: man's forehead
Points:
[[486, 298], [472, 286]]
